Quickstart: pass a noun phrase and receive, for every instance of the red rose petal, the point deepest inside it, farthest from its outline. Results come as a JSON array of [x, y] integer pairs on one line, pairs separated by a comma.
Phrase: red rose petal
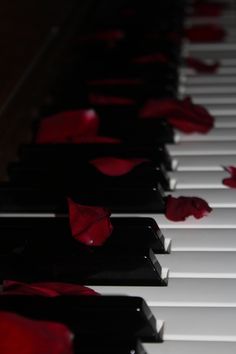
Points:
[[25, 336], [230, 181], [152, 58], [48, 289], [65, 126], [110, 82], [182, 114], [201, 66], [213, 9], [96, 140], [112, 166], [178, 209], [89, 225], [205, 33], [110, 100]]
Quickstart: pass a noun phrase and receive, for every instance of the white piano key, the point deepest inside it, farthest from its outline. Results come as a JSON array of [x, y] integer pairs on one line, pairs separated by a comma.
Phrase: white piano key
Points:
[[199, 264], [195, 292], [209, 80], [210, 47], [216, 134], [219, 218], [225, 121], [187, 347], [206, 89], [222, 70], [216, 198], [214, 99], [198, 179], [201, 240], [223, 110], [203, 148], [203, 163], [197, 324]]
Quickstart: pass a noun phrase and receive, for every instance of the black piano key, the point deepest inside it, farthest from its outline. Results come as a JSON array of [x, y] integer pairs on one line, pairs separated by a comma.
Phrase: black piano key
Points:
[[128, 233], [127, 317], [38, 154], [16, 199]]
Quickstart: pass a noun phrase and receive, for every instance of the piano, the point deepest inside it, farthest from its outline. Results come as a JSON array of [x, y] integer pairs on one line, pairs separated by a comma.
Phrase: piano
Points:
[[195, 307]]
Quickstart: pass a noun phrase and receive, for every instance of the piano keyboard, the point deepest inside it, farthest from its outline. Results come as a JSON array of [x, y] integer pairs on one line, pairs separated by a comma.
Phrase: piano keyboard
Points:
[[196, 310]]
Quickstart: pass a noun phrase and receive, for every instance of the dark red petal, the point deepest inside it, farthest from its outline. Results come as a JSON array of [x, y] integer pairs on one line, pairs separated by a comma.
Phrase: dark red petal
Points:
[[112, 166], [102, 100], [110, 82], [89, 225], [96, 140], [65, 126], [178, 209], [152, 58], [230, 181], [182, 114], [213, 9], [201, 66], [47, 289], [231, 170], [25, 336], [205, 33]]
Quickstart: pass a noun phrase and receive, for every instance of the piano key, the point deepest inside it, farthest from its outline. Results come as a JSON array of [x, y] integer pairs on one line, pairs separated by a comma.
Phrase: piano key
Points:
[[199, 264], [188, 292], [214, 99], [201, 240], [206, 89], [208, 80], [223, 110], [216, 134], [209, 324], [203, 163], [221, 70], [216, 198], [78, 312], [219, 218], [197, 179], [186, 347], [225, 122], [204, 148]]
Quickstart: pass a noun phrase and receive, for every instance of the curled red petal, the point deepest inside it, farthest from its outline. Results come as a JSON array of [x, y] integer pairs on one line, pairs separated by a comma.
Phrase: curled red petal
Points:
[[230, 181], [65, 126], [110, 100], [151, 58], [200, 66], [211, 9], [96, 140], [205, 33], [89, 225], [178, 209], [19, 334], [112, 166], [182, 114], [48, 289]]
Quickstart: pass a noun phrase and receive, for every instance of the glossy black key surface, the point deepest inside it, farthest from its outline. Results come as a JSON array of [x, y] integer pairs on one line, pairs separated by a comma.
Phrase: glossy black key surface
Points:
[[129, 234], [44, 154], [90, 315], [16, 199], [86, 177], [70, 261]]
